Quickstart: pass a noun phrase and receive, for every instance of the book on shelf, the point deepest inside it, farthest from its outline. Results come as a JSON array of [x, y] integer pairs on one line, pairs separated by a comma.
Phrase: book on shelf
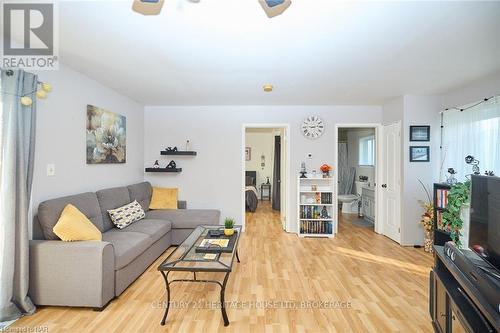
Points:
[[440, 223], [326, 198], [442, 198], [311, 212], [316, 227]]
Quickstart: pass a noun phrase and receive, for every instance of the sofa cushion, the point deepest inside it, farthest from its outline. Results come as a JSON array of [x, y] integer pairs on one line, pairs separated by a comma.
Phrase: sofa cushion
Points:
[[49, 212], [186, 218], [163, 198], [127, 245], [142, 193], [126, 215], [155, 229], [111, 198], [73, 225]]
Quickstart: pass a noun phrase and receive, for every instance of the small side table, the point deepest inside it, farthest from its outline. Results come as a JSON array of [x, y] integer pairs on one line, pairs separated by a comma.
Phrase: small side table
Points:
[[266, 187]]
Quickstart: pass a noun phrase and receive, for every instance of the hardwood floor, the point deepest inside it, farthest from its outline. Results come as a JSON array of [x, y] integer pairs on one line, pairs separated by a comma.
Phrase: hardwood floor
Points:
[[375, 284]]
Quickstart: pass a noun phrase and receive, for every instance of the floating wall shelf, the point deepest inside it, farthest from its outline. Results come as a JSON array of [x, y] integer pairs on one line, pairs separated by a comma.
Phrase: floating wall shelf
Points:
[[163, 170], [178, 153]]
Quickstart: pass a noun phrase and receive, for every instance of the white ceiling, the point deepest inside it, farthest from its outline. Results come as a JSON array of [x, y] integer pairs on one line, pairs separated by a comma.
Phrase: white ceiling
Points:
[[317, 52]]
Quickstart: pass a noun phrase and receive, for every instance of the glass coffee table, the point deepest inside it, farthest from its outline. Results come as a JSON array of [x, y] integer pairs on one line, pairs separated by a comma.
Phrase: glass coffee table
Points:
[[185, 259]]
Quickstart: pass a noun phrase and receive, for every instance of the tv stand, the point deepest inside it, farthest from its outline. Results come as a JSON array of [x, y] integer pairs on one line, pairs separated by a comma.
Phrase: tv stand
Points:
[[455, 304]]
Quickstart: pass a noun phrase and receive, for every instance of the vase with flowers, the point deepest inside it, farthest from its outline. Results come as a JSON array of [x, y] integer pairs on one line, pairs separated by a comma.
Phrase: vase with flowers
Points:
[[427, 220], [325, 168]]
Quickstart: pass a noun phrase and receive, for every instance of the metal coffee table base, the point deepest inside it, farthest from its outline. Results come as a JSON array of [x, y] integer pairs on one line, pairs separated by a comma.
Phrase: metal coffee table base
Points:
[[222, 291]]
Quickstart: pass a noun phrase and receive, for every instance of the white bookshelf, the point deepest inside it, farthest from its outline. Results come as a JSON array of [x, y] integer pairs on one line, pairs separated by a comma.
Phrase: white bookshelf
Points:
[[314, 194]]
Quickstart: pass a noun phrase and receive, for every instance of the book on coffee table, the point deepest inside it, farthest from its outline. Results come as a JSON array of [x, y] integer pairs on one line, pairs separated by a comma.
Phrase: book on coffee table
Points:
[[217, 245]]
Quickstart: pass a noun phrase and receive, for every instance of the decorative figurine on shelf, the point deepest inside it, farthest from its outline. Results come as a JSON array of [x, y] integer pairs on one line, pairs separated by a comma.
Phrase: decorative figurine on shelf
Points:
[[188, 145], [451, 180], [303, 170], [171, 149], [324, 213], [171, 165], [489, 173], [156, 165], [268, 181], [325, 168], [469, 159]]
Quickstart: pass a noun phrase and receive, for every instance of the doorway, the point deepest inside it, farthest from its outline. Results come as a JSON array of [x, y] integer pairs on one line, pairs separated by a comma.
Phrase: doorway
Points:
[[356, 177], [265, 173]]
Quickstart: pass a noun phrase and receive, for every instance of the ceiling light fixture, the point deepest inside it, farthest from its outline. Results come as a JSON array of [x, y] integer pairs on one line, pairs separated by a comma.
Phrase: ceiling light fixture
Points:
[[275, 7], [268, 87]]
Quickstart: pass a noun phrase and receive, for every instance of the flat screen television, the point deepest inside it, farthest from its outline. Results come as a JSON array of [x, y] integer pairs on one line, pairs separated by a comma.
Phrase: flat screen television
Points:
[[484, 232]]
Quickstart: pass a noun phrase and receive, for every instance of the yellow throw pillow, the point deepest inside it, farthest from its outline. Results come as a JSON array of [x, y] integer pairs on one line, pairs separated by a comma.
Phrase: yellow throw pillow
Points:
[[73, 225], [163, 198]]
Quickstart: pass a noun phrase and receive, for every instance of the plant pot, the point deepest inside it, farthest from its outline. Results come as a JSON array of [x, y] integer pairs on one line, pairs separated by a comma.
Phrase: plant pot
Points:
[[229, 232], [428, 240], [326, 174]]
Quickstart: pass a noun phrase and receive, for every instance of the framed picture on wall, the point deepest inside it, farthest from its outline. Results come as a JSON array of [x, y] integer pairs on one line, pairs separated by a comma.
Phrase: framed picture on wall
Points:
[[248, 153], [420, 153], [420, 133]]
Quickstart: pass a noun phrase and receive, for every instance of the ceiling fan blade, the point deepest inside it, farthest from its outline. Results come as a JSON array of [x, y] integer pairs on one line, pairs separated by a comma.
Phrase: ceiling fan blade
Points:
[[147, 7], [275, 7]]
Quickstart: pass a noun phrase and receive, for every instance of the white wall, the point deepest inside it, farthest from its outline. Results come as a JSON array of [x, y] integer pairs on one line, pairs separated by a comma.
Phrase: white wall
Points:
[[213, 178], [61, 137], [415, 110], [262, 143], [419, 110]]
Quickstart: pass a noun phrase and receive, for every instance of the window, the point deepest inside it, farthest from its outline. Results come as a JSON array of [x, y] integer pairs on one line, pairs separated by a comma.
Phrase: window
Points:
[[474, 131], [367, 150]]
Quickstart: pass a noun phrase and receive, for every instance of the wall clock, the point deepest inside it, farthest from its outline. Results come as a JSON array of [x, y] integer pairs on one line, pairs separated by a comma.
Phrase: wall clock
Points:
[[312, 127]]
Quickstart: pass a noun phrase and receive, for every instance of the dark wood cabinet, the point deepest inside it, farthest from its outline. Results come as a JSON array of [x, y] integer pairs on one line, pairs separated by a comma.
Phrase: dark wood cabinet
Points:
[[451, 306], [441, 306]]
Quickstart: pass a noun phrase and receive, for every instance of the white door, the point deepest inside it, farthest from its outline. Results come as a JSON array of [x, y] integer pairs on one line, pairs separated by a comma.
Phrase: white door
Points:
[[391, 182]]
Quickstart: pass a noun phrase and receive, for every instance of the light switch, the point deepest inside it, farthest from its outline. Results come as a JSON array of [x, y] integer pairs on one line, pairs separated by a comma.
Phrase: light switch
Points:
[[51, 169]]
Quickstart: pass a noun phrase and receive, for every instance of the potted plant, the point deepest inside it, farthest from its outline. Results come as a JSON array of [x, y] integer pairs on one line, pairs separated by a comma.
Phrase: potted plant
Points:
[[455, 213], [228, 226], [325, 168]]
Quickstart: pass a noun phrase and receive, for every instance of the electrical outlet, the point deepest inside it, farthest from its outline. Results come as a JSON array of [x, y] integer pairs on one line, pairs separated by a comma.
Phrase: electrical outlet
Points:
[[51, 170]]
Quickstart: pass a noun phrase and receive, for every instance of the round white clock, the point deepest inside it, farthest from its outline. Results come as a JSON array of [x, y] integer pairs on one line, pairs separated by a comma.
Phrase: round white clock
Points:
[[312, 127]]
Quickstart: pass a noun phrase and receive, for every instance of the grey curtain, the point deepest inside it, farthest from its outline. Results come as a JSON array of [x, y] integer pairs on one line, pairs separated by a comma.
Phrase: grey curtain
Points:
[[17, 147], [277, 174], [343, 168]]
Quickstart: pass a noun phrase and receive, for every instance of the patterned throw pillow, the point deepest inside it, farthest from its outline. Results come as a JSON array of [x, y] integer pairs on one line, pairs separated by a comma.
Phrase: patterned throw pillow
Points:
[[126, 215]]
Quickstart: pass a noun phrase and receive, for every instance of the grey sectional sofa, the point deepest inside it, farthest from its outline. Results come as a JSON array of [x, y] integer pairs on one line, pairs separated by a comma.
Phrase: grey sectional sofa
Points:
[[92, 273]]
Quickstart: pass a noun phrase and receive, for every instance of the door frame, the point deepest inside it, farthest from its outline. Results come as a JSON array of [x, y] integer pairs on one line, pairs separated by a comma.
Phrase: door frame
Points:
[[378, 227], [286, 209]]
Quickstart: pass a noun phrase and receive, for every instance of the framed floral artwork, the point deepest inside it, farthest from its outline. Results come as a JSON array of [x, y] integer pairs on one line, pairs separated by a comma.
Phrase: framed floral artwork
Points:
[[106, 136]]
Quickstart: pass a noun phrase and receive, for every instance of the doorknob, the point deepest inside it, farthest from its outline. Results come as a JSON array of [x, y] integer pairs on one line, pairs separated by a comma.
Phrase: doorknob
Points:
[[384, 185]]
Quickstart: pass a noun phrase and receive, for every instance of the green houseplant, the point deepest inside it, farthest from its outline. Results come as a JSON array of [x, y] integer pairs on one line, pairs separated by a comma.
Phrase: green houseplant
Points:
[[458, 197], [228, 226]]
